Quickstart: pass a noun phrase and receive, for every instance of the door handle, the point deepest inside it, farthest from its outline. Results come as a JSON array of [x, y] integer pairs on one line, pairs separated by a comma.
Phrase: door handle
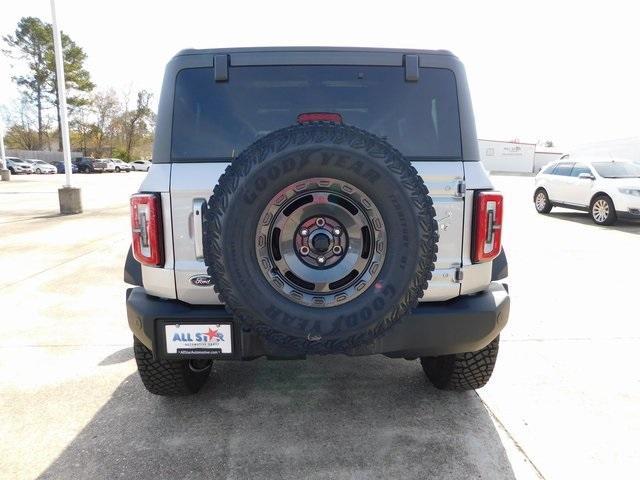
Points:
[[199, 206]]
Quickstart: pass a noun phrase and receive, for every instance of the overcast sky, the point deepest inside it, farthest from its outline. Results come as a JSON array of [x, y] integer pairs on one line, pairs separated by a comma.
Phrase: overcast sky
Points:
[[566, 71]]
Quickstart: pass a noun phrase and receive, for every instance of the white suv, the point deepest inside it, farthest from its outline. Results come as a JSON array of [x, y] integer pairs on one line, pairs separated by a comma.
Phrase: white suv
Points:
[[141, 165], [606, 188]]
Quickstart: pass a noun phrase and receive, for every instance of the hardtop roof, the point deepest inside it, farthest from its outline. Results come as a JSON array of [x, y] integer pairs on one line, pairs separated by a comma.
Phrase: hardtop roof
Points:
[[408, 51]]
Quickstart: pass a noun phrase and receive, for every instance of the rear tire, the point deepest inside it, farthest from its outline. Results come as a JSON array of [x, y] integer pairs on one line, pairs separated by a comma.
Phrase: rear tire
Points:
[[462, 371], [117, 169], [602, 211], [169, 377], [542, 202]]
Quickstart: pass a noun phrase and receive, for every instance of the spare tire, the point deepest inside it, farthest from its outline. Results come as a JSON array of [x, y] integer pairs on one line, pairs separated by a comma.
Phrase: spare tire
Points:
[[320, 237]]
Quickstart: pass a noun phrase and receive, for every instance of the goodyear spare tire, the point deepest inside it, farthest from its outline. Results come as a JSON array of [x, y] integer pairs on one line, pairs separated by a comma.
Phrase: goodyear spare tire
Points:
[[320, 237]]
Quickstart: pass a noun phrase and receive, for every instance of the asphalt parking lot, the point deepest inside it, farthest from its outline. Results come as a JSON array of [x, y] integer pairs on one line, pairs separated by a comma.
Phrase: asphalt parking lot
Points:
[[564, 401]]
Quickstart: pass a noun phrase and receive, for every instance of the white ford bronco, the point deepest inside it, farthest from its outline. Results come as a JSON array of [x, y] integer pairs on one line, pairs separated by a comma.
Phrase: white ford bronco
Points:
[[315, 201]]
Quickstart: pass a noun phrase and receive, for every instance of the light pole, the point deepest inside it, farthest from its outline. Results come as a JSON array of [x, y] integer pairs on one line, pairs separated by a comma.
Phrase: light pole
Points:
[[69, 196], [5, 175]]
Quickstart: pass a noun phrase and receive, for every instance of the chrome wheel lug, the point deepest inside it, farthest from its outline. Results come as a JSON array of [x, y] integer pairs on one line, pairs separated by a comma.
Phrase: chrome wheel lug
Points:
[[320, 222], [321, 260], [336, 231], [337, 250], [304, 232], [304, 250]]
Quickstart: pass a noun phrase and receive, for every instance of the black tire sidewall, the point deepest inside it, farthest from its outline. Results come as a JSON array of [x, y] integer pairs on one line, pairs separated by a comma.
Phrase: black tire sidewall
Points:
[[611, 219], [277, 308], [167, 377], [334, 328], [547, 203]]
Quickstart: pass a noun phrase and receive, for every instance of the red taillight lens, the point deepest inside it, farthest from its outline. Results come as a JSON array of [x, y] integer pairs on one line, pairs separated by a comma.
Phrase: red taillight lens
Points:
[[146, 229], [319, 117], [487, 234]]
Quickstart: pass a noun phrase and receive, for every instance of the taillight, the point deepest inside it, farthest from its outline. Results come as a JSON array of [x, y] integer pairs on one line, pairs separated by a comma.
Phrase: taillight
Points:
[[146, 229], [487, 234], [319, 117]]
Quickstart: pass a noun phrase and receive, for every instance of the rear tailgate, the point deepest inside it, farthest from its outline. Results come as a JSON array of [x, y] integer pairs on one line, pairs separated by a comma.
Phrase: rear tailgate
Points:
[[192, 184]]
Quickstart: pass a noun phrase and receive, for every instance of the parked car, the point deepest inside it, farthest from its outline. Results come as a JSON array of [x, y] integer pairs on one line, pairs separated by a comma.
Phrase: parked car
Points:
[[141, 165], [111, 166], [90, 165], [321, 233], [121, 165], [60, 167], [40, 166], [16, 165], [606, 188]]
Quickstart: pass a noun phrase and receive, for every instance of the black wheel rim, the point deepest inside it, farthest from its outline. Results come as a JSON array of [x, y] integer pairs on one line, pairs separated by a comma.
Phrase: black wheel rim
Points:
[[321, 242]]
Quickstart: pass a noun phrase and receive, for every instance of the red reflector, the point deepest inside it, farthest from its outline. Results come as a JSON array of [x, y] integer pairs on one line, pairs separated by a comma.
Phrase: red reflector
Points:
[[487, 234], [319, 117], [146, 229]]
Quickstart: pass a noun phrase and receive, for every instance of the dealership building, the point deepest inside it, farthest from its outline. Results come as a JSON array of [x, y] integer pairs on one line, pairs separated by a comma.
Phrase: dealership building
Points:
[[515, 157], [518, 157]]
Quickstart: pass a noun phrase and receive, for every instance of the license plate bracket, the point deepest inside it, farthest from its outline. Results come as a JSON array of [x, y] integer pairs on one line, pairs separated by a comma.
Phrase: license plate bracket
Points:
[[197, 339]]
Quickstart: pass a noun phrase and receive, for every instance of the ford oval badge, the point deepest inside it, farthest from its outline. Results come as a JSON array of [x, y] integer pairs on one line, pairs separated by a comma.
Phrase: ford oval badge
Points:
[[201, 280]]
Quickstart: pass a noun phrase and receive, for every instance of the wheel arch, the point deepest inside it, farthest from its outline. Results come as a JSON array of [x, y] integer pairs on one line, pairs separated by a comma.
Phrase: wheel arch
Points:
[[537, 190], [601, 194]]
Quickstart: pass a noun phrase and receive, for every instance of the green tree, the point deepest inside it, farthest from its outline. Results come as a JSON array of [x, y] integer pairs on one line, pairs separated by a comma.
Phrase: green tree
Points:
[[32, 43], [77, 78]]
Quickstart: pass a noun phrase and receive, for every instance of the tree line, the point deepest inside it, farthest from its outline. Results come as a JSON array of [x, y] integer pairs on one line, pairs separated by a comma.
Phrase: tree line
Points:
[[102, 122]]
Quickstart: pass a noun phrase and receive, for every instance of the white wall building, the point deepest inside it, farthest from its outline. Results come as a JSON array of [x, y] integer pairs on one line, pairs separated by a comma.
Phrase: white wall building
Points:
[[514, 157]]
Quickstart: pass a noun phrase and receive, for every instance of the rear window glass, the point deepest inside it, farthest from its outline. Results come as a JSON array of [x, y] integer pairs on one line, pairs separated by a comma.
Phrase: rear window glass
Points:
[[217, 120]]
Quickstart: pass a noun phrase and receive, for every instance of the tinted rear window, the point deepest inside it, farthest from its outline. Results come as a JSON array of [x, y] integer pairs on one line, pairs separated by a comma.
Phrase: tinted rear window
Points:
[[217, 120]]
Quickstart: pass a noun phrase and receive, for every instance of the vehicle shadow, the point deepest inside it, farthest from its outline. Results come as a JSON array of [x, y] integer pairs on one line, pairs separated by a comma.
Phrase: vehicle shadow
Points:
[[622, 225], [326, 417], [120, 356]]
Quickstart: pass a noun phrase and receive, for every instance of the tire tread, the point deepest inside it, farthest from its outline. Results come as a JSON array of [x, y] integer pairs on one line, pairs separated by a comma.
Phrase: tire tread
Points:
[[462, 371], [166, 377], [229, 182]]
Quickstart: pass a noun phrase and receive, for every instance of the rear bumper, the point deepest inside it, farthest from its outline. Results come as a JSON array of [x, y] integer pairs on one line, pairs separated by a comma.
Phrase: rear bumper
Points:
[[465, 324]]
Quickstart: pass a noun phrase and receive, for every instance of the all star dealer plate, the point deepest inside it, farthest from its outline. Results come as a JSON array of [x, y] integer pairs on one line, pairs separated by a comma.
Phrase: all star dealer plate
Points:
[[194, 339]]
